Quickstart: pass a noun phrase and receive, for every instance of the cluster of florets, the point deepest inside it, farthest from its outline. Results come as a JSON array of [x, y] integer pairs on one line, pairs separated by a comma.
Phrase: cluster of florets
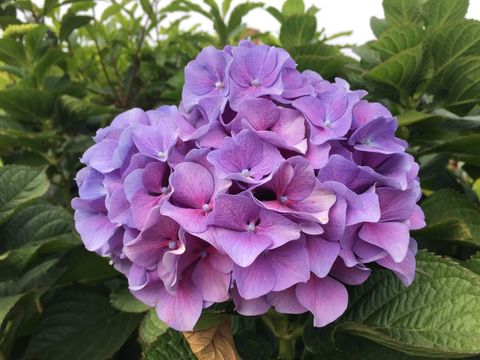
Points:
[[268, 186]]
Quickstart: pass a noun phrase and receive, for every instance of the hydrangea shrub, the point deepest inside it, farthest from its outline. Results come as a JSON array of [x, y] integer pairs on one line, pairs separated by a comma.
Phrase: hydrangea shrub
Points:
[[268, 186]]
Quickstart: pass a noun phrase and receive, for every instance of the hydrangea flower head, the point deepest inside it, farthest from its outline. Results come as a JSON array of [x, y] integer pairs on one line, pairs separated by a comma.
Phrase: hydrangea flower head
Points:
[[267, 186]]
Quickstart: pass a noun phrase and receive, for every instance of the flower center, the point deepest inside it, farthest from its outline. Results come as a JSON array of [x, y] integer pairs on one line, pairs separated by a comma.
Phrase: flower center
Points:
[[255, 82], [165, 190], [328, 123], [367, 141], [172, 244], [245, 172], [162, 155], [283, 199], [251, 226], [219, 85], [206, 208]]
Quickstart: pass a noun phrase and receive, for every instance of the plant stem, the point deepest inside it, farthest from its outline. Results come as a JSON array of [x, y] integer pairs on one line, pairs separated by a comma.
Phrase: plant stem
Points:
[[286, 349], [285, 332]]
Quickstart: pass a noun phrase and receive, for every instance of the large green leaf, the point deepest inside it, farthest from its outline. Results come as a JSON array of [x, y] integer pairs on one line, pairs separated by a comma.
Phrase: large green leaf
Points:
[[378, 25], [151, 328], [324, 59], [123, 300], [26, 104], [462, 82], [298, 30], [439, 12], [98, 268], [7, 303], [12, 52], [239, 12], [412, 116], [453, 41], [395, 40], [14, 138], [293, 7], [402, 12], [72, 22], [464, 148], [399, 71], [321, 346], [80, 324], [170, 346], [18, 186], [450, 216], [473, 263], [436, 316], [36, 227]]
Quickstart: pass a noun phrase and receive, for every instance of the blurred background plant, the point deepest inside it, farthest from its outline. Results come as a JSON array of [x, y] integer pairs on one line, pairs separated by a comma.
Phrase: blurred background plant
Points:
[[68, 67]]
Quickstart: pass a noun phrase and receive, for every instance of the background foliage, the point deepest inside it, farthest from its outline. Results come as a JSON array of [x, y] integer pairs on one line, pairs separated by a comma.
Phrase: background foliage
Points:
[[66, 69]]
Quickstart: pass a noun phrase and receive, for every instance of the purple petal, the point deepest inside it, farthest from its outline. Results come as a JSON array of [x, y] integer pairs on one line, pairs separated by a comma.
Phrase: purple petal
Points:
[[251, 307], [326, 298], [286, 301], [182, 308], [192, 185], [322, 255], [393, 237]]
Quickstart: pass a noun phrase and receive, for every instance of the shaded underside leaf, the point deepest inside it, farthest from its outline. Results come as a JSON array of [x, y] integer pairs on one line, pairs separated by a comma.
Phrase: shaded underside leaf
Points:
[[450, 216], [80, 324]]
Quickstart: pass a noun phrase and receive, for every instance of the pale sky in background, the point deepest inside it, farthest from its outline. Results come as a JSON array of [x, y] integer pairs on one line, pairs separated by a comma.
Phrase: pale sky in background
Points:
[[334, 15]]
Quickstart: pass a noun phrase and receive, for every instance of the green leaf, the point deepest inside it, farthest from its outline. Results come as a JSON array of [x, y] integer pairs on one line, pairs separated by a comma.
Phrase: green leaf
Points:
[[18, 186], [239, 12], [464, 148], [378, 25], [440, 12], [275, 13], [473, 263], [12, 52], [435, 316], [347, 347], [98, 268], [35, 227], [123, 300], [410, 117], [209, 319], [151, 328], [72, 22], [450, 216], [27, 104], [14, 138], [147, 7], [7, 303], [395, 40], [402, 12], [110, 11], [453, 41], [298, 30], [399, 71], [226, 6], [322, 58], [80, 324], [462, 82], [170, 346], [39, 278], [293, 7]]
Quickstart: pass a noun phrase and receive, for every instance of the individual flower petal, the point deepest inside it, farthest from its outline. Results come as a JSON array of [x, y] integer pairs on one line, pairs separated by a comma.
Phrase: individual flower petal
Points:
[[326, 298], [393, 237]]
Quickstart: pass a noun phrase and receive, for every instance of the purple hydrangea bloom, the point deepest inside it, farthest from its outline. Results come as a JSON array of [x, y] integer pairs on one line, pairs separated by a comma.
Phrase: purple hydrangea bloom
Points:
[[269, 187]]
